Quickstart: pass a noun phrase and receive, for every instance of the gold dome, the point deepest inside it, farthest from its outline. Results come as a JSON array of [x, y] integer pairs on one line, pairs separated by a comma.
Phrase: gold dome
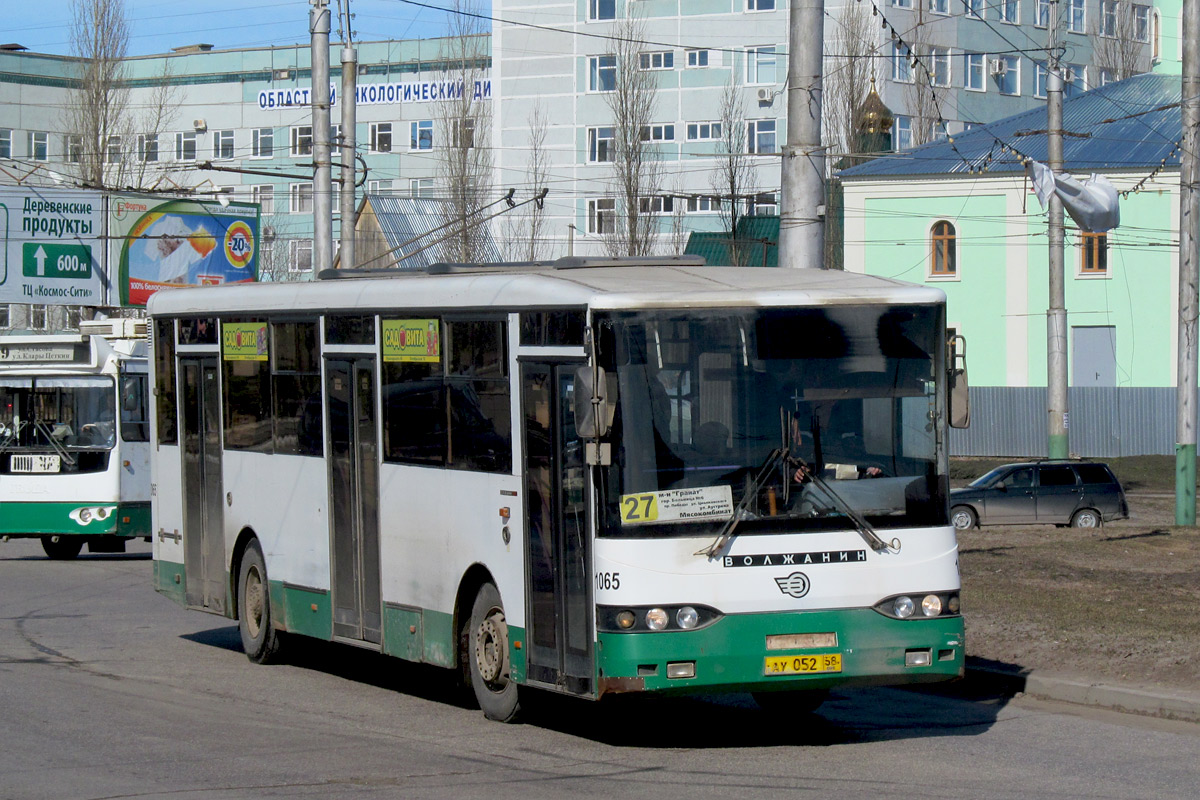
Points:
[[875, 116]]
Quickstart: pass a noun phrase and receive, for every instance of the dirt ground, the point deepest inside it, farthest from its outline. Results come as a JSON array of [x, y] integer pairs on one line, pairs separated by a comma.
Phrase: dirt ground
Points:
[[1119, 603]]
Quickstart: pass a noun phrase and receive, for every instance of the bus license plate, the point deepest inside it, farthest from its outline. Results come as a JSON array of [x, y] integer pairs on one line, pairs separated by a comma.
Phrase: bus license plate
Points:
[[34, 464], [803, 665]]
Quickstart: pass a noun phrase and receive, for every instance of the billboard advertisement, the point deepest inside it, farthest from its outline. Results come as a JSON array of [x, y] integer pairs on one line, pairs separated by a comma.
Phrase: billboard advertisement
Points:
[[51, 251], [167, 244]]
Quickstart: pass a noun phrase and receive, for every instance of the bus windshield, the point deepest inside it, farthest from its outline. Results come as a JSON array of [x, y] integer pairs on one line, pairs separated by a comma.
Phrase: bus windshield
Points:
[[57, 413], [704, 401]]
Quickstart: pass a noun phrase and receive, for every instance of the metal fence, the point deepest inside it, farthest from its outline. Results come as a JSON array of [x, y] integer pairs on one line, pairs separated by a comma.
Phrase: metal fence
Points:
[[1104, 422]]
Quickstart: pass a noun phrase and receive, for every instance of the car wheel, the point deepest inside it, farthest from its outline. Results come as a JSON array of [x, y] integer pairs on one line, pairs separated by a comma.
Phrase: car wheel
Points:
[[487, 657], [1086, 518], [963, 518], [61, 548], [260, 640]]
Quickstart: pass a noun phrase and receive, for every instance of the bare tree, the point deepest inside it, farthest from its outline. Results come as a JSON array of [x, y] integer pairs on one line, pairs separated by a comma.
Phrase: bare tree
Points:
[[928, 66], [465, 124], [1119, 42], [733, 179], [849, 75], [524, 234], [637, 172], [97, 112]]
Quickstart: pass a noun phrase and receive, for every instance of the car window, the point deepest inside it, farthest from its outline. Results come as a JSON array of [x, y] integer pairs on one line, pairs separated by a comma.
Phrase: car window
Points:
[[1094, 473], [1020, 478], [1057, 476]]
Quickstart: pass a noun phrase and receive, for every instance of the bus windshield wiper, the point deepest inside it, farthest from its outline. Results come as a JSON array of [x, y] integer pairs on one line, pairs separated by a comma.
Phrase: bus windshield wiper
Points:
[[48, 435], [740, 510], [864, 528]]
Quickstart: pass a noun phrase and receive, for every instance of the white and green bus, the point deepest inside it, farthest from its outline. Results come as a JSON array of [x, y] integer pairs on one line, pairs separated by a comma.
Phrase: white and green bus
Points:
[[582, 476], [75, 438]]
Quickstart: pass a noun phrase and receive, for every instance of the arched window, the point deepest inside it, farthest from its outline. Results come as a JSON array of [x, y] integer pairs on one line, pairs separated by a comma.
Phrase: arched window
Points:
[[943, 257], [1156, 37]]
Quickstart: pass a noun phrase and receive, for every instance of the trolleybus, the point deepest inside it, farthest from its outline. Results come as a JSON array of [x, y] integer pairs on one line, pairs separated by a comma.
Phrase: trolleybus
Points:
[[583, 476], [75, 438]]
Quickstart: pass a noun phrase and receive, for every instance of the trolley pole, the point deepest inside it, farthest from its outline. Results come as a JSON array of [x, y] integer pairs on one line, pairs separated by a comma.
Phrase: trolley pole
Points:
[[1189, 302], [318, 19], [802, 213], [1056, 316]]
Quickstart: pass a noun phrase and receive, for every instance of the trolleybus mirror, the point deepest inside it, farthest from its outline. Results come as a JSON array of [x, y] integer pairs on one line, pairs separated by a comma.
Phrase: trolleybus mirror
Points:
[[594, 410], [959, 396]]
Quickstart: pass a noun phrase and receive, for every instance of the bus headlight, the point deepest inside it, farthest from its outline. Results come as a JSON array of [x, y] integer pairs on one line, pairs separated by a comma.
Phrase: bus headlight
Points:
[[931, 605], [626, 619], [656, 619], [687, 617], [903, 606]]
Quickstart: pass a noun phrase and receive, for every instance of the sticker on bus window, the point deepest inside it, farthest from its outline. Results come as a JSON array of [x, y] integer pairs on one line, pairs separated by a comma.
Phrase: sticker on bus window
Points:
[[411, 340], [244, 341], [677, 505]]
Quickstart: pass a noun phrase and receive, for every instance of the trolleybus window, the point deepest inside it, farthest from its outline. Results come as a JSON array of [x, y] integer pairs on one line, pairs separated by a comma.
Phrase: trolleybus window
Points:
[[551, 328], [164, 380], [246, 385], [349, 330], [60, 413], [296, 387], [135, 424]]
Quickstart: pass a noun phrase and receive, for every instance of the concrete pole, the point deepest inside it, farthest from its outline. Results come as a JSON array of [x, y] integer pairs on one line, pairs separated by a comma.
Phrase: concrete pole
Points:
[[1189, 257], [349, 145], [802, 214], [318, 19], [1056, 316]]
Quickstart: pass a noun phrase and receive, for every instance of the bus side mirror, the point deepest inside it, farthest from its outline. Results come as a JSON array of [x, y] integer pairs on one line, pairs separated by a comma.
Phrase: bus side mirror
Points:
[[958, 399], [130, 394], [594, 411]]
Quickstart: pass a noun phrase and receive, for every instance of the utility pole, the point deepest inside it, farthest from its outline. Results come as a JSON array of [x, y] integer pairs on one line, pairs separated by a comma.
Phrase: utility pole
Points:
[[349, 145], [1056, 315], [802, 215], [1189, 255], [318, 26]]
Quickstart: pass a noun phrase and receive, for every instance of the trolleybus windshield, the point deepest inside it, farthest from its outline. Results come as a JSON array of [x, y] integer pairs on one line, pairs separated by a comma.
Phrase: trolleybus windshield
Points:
[[852, 393], [51, 413]]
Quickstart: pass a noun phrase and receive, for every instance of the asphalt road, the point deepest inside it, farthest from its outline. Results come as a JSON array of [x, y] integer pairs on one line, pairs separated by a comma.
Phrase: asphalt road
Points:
[[108, 690]]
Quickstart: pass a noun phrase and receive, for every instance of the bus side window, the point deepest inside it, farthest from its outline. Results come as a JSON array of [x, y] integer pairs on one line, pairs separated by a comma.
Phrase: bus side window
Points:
[[164, 381], [135, 423]]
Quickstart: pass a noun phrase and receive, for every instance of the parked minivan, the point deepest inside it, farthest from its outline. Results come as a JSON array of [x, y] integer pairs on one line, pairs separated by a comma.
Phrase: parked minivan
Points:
[[1083, 494]]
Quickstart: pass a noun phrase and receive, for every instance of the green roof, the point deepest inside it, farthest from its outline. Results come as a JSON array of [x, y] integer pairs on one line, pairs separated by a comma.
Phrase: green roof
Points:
[[758, 238]]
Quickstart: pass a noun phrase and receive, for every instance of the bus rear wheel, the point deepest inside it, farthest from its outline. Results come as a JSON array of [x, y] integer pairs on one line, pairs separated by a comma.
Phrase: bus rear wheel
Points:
[[61, 548], [260, 640], [487, 657]]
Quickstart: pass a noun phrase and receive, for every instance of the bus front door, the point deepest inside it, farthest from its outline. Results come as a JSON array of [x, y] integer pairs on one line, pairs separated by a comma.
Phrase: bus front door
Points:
[[559, 598], [203, 536], [354, 498]]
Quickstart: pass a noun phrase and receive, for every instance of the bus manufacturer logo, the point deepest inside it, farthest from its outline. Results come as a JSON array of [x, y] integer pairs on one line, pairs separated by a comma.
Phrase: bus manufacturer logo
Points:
[[795, 584]]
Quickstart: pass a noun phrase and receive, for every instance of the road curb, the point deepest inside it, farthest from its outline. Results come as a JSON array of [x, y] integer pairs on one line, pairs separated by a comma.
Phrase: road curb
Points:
[[1176, 704]]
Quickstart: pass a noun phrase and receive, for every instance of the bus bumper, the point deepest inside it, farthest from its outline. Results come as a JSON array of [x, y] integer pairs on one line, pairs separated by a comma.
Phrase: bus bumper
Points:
[[76, 518], [732, 653]]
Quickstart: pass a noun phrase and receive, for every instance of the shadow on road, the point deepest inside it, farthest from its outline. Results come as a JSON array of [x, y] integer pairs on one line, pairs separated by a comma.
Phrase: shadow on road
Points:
[[962, 708]]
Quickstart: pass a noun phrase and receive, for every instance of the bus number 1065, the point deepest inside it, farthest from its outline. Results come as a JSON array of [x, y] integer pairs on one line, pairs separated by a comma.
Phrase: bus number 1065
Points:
[[608, 580]]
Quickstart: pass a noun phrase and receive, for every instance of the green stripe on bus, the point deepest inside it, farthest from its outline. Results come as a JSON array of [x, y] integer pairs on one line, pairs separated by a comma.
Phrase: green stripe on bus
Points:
[[304, 611], [731, 653], [56, 518], [171, 580]]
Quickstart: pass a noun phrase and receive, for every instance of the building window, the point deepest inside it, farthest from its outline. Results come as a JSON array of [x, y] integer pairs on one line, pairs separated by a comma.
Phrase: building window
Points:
[[1040, 78], [602, 9], [262, 142], [659, 204], [902, 3], [901, 62], [939, 6], [112, 150], [600, 145], [1156, 37], [1094, 258], [1108, 18], [381, 137], [300, 198], [1074, 80], [939, 66], [222, 144], [1009, 11], [904, 134], [974, 8], [703, 131], [1141, 23], [1008, 74], [1041, 18], [147, 147], [973, 64], [420, 135], [601, 215], [663, 60], [943, 258], [464, 133], [37, 317], [657, 133], [72, 147], [302, 140], [697, 58], [1106, 77], [760, 64], [39, 146], [602, 73], [760, 136], [760, 5], [300, 256], [264, 195], [6, 142], [185, 146], [703, 204], [764, 204], [420, 187], [1076, 16]]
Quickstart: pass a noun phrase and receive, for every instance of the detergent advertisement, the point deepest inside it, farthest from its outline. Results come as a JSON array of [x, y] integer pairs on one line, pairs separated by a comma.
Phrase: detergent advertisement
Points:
[[175, 243]]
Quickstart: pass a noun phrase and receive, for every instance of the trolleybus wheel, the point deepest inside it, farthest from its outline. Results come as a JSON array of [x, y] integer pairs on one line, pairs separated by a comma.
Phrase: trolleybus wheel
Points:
[[799, 702], [260, 640], [487, 657], [62, 547]]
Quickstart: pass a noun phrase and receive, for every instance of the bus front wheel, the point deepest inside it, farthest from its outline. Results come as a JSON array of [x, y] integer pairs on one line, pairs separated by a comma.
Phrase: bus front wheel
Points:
[[260, 640], [487, 657], [61, 548]]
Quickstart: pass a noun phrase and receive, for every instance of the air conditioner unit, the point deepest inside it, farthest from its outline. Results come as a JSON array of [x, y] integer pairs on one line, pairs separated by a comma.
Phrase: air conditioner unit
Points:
[[1068, 75], [997, 67], [765, 95], [199, 124], [282, 74]]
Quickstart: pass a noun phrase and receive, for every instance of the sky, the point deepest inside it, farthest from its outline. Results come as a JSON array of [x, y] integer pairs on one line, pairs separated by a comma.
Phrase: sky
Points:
[[156, 26]]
